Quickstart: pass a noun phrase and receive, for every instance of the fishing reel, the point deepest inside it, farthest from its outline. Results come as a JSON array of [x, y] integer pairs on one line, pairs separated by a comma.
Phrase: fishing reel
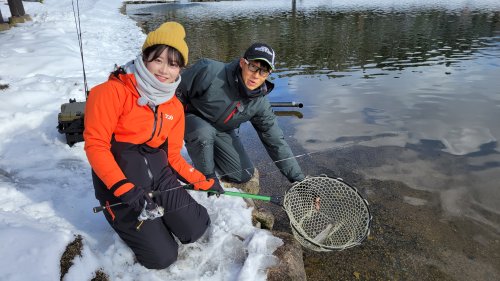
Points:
[[151, 214]]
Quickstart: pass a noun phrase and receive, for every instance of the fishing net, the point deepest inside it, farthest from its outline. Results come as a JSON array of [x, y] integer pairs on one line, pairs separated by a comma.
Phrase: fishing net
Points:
[[327, 214]]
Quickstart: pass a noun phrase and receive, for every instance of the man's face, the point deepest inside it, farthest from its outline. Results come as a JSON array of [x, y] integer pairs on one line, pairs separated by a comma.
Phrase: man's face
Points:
[[253, 72]]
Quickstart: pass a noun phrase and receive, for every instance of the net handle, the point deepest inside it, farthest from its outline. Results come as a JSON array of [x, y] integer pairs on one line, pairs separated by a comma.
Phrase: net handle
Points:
[[275, 199]]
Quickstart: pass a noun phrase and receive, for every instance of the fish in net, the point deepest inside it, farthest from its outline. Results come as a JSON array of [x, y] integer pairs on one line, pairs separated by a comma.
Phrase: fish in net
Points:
[[327, 214]]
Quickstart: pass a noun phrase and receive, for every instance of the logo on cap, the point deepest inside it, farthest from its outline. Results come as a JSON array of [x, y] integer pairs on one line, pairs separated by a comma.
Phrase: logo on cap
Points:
[[264, 49], [261, 51]]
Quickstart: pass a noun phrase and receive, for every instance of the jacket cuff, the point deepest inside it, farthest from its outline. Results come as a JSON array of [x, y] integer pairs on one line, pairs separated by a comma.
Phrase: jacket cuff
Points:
[[204, 185], [121, 187]]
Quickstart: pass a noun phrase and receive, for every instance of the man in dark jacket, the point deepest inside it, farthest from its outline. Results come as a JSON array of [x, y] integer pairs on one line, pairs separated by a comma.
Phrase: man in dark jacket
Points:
[[218, 98]]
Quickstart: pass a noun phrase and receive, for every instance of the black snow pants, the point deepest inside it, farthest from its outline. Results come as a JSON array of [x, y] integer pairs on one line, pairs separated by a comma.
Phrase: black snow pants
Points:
[[153, 244]]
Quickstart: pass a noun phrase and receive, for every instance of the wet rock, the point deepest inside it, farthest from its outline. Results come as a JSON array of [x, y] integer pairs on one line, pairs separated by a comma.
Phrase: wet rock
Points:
[[291, 265]]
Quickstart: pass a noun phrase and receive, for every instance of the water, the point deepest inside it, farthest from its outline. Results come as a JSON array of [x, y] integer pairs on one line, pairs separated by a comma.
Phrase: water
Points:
[[404, 93]]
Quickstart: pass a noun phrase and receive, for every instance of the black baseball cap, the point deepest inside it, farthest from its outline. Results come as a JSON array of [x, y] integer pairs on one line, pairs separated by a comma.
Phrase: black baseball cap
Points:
[[261, 51]]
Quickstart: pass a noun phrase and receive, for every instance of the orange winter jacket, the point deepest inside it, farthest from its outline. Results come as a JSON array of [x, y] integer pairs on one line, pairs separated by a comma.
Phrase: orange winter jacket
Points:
[[112, 111]]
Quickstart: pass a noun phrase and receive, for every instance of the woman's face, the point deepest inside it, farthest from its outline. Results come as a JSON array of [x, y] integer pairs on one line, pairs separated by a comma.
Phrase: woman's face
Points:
[[165, 71]]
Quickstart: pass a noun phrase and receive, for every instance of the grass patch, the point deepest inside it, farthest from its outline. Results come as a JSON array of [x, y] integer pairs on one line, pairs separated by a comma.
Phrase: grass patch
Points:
[[4, 86], [75, 249], [72, 250], [100, 276]]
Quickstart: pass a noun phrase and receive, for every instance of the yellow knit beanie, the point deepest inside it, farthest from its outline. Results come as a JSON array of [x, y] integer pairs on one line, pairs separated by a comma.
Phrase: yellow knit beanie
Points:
[[170, 33]]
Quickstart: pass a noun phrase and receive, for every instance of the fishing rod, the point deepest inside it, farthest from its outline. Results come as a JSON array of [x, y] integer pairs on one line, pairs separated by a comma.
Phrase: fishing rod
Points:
[[287, 104], [70, 119], [350, 143], [272, 199], [190, 186], [76, 15], [325, 214], [80, 42], [297, 114]]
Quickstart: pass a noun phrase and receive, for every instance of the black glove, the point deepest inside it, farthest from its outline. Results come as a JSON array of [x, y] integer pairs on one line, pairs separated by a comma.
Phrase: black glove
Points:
[[216, 188], [137, 198]]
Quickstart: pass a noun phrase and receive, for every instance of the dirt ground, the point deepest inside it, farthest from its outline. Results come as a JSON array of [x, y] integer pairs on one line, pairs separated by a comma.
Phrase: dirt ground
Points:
[[407, 241]]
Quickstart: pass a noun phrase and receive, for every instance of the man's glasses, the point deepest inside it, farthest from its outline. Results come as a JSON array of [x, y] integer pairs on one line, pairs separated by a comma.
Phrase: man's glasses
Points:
[[253, 68]]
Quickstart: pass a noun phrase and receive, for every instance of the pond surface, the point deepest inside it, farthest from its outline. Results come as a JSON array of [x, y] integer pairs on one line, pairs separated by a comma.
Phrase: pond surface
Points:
[[401, 98]]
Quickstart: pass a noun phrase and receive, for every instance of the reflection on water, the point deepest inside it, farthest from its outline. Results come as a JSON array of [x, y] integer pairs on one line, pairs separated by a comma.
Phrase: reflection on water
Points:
[[418, 80], [315, 37]]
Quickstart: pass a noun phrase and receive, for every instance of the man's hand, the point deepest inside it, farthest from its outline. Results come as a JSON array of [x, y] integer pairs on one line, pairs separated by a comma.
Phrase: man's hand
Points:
[[216, 188]]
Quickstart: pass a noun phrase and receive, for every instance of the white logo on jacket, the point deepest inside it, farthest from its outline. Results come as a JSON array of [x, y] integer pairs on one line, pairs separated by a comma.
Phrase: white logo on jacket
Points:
[[169, 117]]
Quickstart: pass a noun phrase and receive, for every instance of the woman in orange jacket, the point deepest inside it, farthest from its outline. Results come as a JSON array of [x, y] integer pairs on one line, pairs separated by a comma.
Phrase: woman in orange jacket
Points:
[[134, 129]]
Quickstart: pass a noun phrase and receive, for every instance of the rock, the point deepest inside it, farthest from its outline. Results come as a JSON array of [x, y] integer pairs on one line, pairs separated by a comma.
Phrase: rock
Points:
[[291, 265], [19, 19], [4, 26], [16, 20], [263, 218]]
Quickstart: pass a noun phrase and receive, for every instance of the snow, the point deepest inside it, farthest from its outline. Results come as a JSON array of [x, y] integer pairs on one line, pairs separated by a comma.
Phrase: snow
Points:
[[46, 193]]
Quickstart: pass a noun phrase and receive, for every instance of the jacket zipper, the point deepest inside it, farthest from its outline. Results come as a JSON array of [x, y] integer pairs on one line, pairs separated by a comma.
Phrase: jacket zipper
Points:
[[154, 124], [150, 174], [161, 124], [232, 113]]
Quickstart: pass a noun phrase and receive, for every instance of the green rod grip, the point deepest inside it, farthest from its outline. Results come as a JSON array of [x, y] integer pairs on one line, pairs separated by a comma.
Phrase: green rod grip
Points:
[[273, 199], [248, 195]]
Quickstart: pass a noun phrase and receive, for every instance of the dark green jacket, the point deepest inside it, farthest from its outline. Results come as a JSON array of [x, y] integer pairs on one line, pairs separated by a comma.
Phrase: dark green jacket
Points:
[[210, 89]]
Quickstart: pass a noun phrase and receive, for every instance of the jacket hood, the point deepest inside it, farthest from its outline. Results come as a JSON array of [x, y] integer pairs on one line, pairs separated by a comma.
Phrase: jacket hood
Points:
[[126, 79]]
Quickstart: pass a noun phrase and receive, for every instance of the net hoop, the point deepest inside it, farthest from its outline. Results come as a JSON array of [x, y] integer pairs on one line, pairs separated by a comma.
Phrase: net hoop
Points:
[[327, 214]]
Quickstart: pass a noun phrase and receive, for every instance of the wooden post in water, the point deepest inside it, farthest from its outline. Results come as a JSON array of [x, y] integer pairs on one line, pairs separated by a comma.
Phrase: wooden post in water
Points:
[[18, 15]]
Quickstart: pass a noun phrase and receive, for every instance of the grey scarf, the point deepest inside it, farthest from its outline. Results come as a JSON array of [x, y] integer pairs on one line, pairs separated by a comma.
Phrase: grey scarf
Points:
[[150, 88]]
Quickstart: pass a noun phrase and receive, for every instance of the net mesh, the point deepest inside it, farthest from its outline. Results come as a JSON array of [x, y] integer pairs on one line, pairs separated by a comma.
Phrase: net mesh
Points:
[[327, 214]]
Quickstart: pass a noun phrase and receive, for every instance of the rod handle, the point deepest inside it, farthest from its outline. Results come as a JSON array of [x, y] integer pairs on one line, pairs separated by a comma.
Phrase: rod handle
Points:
[[98, 209], [287, 104], [101, 208]]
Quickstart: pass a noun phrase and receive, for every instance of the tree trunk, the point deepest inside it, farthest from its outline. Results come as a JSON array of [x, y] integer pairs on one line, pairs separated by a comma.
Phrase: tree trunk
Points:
[[16, 8], [1, 17]]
